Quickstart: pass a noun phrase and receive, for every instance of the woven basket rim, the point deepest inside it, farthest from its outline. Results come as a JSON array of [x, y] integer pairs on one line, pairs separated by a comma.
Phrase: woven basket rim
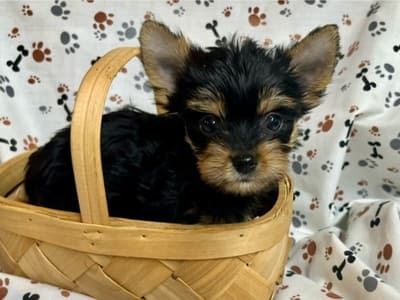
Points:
[[144, 236]]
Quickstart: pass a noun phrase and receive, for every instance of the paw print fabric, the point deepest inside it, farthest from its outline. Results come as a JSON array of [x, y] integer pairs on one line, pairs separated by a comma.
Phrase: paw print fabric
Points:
[[346, 169]]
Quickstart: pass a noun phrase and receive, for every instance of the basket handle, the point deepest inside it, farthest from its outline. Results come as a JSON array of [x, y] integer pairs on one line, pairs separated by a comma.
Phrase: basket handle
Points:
[[85, 134]]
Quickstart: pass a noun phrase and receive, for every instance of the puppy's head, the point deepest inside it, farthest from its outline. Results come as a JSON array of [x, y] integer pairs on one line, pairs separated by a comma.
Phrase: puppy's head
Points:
[[240, 102]]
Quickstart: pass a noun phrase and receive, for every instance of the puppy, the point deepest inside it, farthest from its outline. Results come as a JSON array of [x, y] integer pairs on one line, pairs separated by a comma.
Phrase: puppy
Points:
[[221, 144]]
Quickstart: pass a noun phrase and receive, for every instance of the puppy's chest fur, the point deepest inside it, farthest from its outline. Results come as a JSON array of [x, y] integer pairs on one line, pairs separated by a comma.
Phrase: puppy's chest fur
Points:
[[150, 173]]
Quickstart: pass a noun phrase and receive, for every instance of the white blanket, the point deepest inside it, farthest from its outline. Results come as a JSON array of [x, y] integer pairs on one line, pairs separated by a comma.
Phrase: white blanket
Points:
[[347, 171]]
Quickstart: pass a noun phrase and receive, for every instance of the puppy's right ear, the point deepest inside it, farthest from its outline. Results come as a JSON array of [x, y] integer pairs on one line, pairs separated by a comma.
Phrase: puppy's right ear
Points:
[[163, 54]]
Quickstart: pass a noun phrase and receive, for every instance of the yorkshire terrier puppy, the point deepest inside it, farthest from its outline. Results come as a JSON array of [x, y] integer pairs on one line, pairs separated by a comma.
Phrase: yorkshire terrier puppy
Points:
[[220, 147]]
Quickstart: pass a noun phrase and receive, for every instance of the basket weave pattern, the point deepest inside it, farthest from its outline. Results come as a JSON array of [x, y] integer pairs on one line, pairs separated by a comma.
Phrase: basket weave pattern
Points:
[[114, 258]]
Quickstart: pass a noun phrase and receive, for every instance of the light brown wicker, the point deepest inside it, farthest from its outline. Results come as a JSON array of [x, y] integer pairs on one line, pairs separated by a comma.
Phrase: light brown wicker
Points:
[[115, 258]]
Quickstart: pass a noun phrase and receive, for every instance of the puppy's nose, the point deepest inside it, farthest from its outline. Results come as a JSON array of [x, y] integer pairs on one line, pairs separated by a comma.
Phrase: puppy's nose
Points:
[[244, 163]]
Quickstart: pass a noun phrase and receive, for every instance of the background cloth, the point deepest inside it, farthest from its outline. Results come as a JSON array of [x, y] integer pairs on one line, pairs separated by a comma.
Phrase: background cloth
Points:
[[346, 171]]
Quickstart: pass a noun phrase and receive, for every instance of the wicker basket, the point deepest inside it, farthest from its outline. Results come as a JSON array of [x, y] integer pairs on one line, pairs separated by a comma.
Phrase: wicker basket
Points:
[[115, 258]]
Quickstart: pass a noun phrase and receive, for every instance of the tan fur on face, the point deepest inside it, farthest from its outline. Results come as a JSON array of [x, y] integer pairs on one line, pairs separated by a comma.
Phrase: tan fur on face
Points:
[[216, 169], [294, 136], [209, 102], [271, 100]]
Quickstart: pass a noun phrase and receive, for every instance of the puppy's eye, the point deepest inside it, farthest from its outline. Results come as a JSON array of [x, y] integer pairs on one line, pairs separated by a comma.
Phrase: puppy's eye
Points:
[[274, 122], [208, 124]]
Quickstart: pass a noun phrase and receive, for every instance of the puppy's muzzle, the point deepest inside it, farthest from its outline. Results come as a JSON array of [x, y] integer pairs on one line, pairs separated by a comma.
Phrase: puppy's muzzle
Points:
[[244, 163]]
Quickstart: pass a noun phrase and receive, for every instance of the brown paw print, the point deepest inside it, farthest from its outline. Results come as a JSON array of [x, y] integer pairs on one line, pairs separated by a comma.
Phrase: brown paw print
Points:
[[326, 124], [328, 252], [310, 249], [353, 108], [33, 79], [374, 130], [116, 99], [227, 11], [283, 2], [360, 213], [40, 53], [3, 287], [27, 11], [311, 153], [30, 143], [14, 33], [295, 269], [63, 88], [353, 48], [102, 19], [124, 70], [393, 169], [295, 37], [338, 194], [5, 121], [385, 254], [149, 16], [364, 63], [255, 18], [346, 20], [267, 43], [327, 290], [314, 203], [65, 293], [172, 2]]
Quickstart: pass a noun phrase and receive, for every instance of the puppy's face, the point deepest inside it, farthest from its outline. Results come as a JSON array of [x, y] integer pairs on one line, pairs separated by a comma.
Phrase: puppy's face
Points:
[[240, 102]]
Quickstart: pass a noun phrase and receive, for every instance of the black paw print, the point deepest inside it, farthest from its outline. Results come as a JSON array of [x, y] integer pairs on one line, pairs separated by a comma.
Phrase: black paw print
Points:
[[387, 71], [363, 193], [69, 41], [44, 109], [370, 283], [179, 11], [327, 166], [356, 248], [58, 9], [395, 144], [100, 35], [286, 12], [127, 32], [373, 9], [205, 2], [298, 166], [320, 3], [5, 87], [389, 187], [389, 101], [298, 219], [376, 28], [142, 82], [367, 163]]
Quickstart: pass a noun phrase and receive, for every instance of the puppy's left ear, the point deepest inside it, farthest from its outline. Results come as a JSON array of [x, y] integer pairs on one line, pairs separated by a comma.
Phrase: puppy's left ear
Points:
[[163, 54], [314, 59]]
